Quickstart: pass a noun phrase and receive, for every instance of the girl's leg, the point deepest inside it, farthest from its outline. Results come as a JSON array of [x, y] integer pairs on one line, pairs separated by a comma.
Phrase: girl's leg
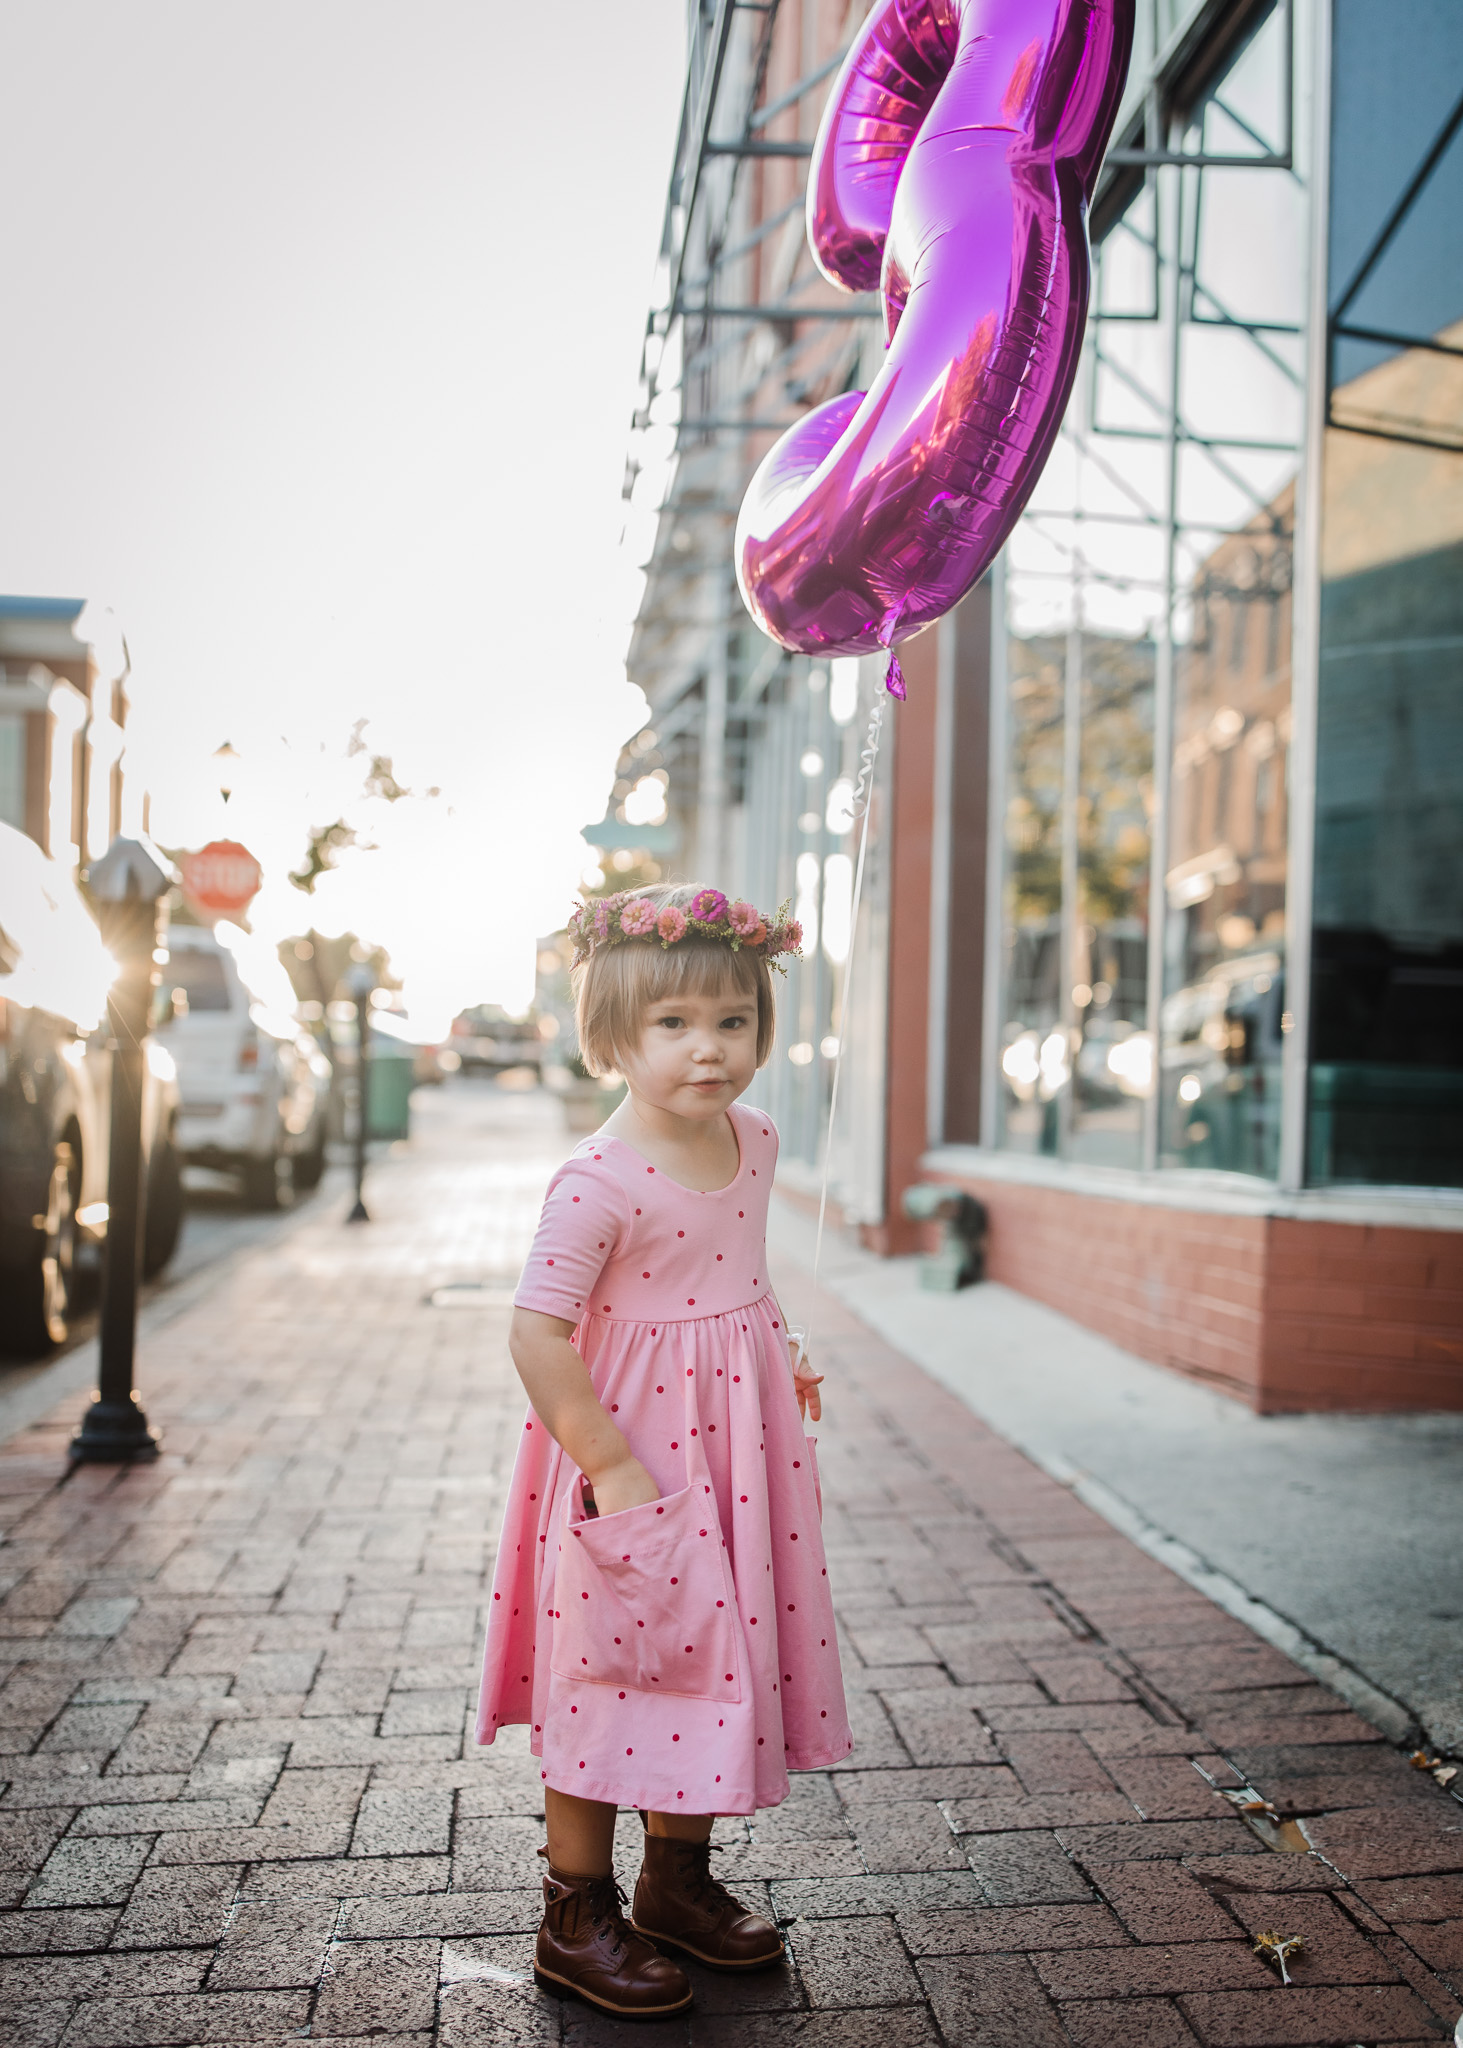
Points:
[[581, 1834], [681, 1827]]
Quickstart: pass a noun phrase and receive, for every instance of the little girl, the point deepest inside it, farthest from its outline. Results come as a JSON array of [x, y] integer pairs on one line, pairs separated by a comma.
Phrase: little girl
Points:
[[660, 1613]]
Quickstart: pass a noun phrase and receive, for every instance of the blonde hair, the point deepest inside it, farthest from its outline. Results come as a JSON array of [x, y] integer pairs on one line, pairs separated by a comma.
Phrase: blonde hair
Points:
[[617, 984]]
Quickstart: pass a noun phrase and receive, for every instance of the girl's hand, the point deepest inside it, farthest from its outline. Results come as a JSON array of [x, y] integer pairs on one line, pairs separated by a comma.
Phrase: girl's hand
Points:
[[807, 1383], [626, 1485]]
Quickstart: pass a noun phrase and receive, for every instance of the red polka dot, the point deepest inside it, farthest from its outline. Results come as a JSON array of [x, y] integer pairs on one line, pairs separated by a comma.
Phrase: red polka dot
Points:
[[574, 1710], [711, 1428], [764, 1134], [754, 1621], [661, 1511], [760, 1740], [718, 1258], [601, 1244], [675, 1582], [728, 1680], [675, 1447], [754, 1173], [576, 1198], [744, 1497], [581, 1765], [703, 1532], [639, 1212], [721, 1603], [690, 1301], [550, 1262], [680, 1795], [823, 1715], [628, 1752], [614, 1407], [718, 1372], [660, 1390], [796, 1463], [584, 1596], [645, 1276], [650, 1169], [736, 1376], [497, 1596], [693, 1432], [528, 1425], [690, 1372], [741, 1212], [640, 1624], [622, 1696], [793, 1536], [680, 1233], [675, 1738], [792, 1607]]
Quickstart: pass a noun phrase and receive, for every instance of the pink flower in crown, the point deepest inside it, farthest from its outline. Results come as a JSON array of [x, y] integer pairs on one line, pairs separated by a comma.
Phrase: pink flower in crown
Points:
[[637, 919], [671, 924], [787, 938], [743, 919], [708, 906], [601, 919]]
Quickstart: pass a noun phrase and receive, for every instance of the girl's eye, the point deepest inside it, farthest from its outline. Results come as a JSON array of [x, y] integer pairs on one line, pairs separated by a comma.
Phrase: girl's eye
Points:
[[671, 1023], [733, 1023]]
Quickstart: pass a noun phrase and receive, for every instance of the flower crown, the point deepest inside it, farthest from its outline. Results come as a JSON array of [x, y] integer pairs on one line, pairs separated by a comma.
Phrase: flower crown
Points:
[[611, 920]]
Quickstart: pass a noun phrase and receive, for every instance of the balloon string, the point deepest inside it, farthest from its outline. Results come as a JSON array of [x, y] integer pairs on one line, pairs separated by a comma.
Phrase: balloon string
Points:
[[863, 803]]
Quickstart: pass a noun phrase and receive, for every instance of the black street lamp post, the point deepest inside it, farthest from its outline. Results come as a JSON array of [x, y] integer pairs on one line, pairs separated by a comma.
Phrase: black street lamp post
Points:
[[360, 981], [126, 887]]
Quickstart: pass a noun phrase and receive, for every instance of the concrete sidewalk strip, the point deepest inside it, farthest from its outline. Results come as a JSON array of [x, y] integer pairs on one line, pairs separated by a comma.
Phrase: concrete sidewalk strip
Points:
[[240, 1805]]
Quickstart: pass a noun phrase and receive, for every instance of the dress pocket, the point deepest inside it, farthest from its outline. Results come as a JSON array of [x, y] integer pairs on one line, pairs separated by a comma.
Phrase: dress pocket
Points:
[[643, 1599]]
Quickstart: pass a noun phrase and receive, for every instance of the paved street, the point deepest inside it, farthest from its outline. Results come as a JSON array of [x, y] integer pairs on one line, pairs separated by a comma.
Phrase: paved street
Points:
[[241, 1806]]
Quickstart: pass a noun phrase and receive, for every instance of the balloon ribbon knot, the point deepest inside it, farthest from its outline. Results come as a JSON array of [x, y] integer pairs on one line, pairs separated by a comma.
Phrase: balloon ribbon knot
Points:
[[894, 678]]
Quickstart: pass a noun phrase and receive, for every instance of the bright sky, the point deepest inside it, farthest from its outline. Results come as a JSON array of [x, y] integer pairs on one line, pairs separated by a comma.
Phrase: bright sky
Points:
[[322, 325]]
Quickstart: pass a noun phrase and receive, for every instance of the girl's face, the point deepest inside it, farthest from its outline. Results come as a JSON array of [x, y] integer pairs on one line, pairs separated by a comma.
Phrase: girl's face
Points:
[[697, 1053]]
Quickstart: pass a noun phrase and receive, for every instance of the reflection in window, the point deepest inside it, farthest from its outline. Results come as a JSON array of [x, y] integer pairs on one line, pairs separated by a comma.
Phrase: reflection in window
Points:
[[1034, 1048], [1113, 1058], [1155, 557], [1386, 1051], [1241, 377]]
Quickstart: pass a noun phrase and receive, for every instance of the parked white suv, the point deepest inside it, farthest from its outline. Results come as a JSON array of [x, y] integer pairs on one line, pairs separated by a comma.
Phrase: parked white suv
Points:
[[255, 1086]]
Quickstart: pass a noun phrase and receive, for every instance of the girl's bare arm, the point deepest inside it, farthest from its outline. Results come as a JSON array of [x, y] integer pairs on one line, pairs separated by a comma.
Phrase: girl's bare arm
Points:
[[562, 1395]]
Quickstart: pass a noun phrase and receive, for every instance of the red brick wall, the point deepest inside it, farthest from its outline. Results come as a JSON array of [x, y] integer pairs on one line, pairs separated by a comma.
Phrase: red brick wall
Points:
[[912, 827], [1363, 1316], [1284, 1315]]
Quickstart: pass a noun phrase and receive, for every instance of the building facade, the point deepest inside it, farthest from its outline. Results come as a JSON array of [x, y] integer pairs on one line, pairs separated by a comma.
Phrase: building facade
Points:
[[63, 776], [1160, 942]]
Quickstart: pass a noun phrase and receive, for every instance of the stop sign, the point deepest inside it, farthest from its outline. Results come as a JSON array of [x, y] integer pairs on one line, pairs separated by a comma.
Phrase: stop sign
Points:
[[222, 879]]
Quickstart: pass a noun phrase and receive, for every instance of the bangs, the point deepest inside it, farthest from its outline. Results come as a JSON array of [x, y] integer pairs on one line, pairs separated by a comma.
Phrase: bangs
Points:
[[617, 985]]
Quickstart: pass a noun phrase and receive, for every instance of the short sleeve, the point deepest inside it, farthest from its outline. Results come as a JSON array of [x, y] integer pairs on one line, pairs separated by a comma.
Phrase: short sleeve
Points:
[[582, 1222]]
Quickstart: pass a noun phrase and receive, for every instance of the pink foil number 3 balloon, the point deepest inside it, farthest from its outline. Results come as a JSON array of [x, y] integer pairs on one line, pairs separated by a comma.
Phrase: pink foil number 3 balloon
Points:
[[953, 169]]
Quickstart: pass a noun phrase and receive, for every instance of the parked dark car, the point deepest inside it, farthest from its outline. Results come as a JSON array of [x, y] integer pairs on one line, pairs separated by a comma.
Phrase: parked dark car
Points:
[[55, 1100]]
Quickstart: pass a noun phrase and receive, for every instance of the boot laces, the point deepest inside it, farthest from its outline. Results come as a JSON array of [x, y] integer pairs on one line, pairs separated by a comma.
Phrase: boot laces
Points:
[[702, 1887], [606, 1902]]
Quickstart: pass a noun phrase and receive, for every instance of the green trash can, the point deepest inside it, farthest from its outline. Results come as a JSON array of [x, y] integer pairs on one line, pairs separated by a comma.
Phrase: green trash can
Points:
[[390, 1072]]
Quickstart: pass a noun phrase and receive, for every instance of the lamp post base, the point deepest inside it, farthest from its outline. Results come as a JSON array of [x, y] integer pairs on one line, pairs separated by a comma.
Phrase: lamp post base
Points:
[[113, 1433]]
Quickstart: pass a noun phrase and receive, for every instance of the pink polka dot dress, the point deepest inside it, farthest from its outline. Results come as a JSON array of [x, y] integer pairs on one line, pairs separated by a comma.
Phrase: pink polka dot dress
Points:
[[681, 1654]]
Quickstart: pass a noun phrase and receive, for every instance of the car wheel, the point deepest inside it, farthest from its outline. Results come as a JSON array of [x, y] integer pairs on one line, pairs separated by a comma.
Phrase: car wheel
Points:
[[164, 1207], [43, 1279], [268, 1183]]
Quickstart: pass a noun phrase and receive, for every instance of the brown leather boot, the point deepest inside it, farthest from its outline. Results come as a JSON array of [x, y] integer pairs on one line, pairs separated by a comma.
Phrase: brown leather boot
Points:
[[678, 1902], [587, 1947]]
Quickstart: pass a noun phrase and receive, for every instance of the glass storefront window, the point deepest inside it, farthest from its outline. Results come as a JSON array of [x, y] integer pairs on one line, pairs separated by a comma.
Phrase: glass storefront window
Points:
[[1386, 1041], [1148, 587]]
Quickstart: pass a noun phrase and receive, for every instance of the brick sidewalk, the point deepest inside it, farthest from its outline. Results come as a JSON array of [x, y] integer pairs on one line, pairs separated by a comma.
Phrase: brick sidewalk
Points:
[[241, 1808]]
